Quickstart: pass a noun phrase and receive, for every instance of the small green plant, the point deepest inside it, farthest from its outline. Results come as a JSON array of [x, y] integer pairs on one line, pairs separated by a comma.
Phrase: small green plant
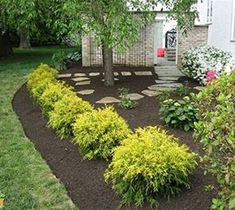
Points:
[[99, 131], [125, 101], [147, 163], [183, 91], [179, 113], [65, 111], [59, 60], [74, 56]]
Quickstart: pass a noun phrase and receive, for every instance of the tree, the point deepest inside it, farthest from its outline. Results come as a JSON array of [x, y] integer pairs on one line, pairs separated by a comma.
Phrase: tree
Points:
[[27, 18], [115, 26]]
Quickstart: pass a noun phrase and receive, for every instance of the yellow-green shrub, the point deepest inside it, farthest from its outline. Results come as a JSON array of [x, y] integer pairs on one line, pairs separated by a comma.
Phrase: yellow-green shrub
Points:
[[39, 79], [65, 111], [99, 131], [42, 72], [53, 93], [147, 163]]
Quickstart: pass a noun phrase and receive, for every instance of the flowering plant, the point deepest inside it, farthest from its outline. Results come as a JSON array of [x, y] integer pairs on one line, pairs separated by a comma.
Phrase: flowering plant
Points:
[[203, 63]]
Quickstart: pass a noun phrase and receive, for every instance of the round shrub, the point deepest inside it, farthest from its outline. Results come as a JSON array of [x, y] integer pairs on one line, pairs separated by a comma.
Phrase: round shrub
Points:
[[198, 61], [42, 72], [39, 79], [216, 132], [99, 131], [149, 162], [179, 113], [53, 93], [65, 111]]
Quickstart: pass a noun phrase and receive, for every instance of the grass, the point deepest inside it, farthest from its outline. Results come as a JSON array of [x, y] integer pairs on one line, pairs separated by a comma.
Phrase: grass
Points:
[[25, 178]]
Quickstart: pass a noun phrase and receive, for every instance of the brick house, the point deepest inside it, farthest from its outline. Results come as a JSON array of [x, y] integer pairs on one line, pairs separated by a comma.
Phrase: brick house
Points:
[[153, 37]]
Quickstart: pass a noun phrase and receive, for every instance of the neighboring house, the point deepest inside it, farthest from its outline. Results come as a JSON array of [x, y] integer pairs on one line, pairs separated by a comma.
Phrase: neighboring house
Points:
[[215, 26]]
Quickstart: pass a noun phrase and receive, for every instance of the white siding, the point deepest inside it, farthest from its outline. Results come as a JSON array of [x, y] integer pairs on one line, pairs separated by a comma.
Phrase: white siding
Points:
[[220, 31]]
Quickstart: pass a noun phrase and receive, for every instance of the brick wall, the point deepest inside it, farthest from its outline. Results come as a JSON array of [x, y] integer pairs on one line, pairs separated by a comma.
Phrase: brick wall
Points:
[[139, 54], [196, 37]]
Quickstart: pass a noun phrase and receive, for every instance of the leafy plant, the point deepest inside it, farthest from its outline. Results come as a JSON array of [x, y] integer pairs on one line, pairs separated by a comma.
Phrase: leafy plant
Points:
[[39, 79], [198, 61], [59, 60], [98, 132], [179, 113], [65, 111], [216, 132], [74, 56], [125, 101], [53, 93], [149, 162]]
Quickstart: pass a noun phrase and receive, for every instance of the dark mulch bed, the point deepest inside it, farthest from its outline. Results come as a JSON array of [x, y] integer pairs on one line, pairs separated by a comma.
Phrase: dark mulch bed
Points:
[[83, 179]]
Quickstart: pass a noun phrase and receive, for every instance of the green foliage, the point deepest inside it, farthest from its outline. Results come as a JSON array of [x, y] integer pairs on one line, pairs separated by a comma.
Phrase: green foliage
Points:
[[179, 113], [125, 101], [98, 132], [149, 162], [39, 79], [59, 60], [115, 25], [53, 93], [180, 91], [65, 111], [216, 132]]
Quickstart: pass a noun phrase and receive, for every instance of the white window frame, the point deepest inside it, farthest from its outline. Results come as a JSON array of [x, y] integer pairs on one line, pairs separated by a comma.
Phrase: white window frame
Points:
[[233, 24]]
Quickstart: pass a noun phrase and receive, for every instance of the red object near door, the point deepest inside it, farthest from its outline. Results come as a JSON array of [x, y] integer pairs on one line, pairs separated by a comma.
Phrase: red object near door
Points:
[[160, 52]]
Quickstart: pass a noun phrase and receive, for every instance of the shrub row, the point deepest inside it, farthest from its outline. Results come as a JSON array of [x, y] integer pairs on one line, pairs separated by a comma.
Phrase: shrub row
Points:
[[216, 131], [145, 162], [96, 131]]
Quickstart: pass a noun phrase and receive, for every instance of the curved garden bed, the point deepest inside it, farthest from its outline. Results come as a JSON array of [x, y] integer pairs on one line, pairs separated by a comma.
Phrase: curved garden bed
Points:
[[83, 179]]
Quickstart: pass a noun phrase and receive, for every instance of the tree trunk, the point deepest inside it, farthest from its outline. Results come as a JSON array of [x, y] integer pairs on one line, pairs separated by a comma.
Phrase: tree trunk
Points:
[[5, 45], [108, 65], [24, 40]]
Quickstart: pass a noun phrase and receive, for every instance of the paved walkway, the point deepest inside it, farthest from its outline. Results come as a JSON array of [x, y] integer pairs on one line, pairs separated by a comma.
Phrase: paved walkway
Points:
[[167, 71]]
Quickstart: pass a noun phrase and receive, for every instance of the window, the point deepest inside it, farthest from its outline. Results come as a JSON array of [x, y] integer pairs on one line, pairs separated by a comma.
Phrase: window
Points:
[[209, 10], [233, 24]]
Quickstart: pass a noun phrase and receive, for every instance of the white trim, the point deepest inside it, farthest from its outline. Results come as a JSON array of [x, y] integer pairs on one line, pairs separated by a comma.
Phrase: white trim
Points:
[[233, 24]]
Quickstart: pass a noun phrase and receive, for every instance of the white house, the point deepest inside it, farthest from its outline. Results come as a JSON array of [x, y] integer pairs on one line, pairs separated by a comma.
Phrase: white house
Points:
[[215, 26], [219, 15]]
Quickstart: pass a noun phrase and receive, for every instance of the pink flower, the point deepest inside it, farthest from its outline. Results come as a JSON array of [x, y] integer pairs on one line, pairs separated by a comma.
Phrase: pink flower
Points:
[[211, 75]]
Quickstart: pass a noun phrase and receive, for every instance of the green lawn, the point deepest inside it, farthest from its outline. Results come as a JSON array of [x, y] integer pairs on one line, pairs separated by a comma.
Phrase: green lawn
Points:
[[25, 179]]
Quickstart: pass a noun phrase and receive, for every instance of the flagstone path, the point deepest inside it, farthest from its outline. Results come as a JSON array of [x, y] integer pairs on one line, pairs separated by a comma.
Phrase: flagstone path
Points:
[[167, 81]]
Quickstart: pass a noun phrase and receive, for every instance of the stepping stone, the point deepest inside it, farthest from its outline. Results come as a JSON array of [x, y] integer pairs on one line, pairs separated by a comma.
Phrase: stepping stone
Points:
[[108, 100], [157, 88], [64, 75], [86, 92], [79, 79], [126, 73], [151, 93], [198, 88], [94, 74], [135, 96], [168, 78], [115, 79], [174, 85], [164, 81], [79, 74], [143, 73], [83, 83], [116, 74]]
